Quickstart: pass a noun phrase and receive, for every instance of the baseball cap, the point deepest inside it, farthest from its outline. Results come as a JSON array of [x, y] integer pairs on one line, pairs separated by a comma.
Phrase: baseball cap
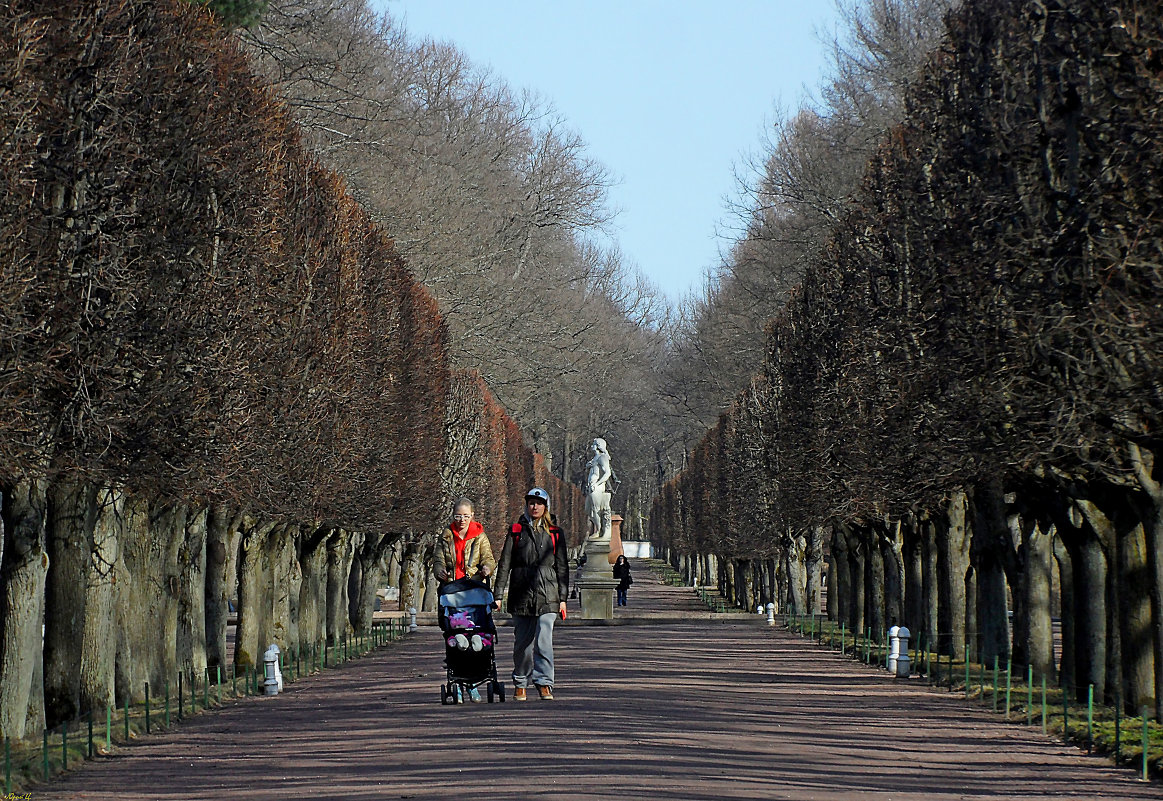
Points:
[[538, 493]]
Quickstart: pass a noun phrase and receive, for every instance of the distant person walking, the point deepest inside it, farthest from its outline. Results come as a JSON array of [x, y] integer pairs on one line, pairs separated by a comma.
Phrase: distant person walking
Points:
[[621, 572], [534, 568]]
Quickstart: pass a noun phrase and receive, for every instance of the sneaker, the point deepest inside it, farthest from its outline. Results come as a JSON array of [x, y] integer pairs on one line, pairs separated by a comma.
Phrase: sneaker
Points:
[[474, 695], [518, 693], [546, 692]]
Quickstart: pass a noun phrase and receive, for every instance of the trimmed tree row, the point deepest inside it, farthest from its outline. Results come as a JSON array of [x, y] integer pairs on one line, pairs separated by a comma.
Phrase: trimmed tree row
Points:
[[959, 407], [218, 380]]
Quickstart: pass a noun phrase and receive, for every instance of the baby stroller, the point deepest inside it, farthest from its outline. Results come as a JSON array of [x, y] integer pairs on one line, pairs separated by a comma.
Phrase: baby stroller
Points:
[[465, 614]]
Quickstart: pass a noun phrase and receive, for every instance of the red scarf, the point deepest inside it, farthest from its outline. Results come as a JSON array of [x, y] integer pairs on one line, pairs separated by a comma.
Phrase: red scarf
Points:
[[458, 543]]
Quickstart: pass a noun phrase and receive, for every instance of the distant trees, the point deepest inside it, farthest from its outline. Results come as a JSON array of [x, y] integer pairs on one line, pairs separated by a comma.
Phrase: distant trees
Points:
[[219, 378], [962, 391]]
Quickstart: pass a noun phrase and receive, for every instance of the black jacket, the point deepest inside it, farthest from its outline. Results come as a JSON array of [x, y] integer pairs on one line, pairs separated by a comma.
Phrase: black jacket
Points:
[[534, 568], [622, 572]]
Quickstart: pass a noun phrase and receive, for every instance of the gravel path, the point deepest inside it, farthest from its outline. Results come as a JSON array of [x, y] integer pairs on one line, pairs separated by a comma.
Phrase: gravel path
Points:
[[704, 709]]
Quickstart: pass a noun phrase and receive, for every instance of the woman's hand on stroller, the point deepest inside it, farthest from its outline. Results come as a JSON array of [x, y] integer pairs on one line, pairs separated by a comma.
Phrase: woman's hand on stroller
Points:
[[497, 605]]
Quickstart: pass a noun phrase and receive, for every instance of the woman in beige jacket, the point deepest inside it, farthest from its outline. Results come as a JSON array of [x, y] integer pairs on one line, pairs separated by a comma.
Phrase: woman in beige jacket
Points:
[[463, 550]]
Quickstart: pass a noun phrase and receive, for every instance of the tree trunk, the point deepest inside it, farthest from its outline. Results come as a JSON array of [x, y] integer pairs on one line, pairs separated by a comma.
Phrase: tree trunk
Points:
[[338, 566], [990, 543], [99, 642], [72, 511], [313, 552], [912, 553], [253, 598], [22, 581], [892, 548], [874, 607], [1039, 646], [813, 564], [953, 568], [794, 562], [191, 623], [1068, 666], [220, 539], [856, 559], [929, 590], [1147, 471]]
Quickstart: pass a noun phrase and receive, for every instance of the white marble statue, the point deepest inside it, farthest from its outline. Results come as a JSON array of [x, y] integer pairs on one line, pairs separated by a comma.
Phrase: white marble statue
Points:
[[599, 474]]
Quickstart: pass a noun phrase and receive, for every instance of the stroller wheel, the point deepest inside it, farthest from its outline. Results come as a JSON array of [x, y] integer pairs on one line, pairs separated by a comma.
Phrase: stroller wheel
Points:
[[444, 694], [500, 692], [490, 692]]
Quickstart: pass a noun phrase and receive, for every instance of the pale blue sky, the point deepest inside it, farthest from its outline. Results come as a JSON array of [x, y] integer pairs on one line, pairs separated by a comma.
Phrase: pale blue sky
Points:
[[670, 96]]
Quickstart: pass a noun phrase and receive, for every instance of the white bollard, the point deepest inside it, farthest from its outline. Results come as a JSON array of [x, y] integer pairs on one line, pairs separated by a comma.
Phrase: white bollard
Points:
[[273, 681], [412, 619], [904, 666], [893, 649], [771, 614], [759, 609]]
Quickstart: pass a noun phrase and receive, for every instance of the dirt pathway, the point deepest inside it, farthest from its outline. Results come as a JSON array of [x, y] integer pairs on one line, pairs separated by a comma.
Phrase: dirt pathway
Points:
[[653, 709]]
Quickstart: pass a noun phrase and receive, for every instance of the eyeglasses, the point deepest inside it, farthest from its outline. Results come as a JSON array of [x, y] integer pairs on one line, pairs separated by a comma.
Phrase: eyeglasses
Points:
[[462, 517]]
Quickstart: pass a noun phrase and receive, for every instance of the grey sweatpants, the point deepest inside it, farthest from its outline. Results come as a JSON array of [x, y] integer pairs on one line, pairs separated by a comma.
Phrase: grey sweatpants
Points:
[[533, 649]]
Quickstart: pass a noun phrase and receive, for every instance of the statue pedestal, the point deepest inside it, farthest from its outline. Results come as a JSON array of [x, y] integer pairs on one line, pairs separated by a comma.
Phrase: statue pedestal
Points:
[[597, 583]]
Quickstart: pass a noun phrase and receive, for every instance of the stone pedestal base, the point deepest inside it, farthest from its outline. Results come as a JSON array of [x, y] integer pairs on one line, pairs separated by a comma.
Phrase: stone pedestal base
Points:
[[597, 598], [597, 583]]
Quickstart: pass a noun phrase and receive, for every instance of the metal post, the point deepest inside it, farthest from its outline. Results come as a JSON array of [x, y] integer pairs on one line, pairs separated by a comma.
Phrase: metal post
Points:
[[1090, 718], [181, 696], [206, 691], [1065, 713], [167, 694], [1145, 741], [995, 682], [1043, 704], [1118, 729], [65, 745], [126, 718], [108, 727], [1029, 694], [193, 695], [147, 707], [91, 734], [218, 684], [45, 752]]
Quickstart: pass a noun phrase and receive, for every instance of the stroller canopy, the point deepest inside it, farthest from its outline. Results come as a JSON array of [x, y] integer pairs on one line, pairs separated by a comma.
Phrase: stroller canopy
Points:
[[465, 592]]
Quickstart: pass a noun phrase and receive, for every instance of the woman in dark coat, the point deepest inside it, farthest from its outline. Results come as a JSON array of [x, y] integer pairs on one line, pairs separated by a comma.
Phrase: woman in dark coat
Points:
[[534, 570], [622, 573]]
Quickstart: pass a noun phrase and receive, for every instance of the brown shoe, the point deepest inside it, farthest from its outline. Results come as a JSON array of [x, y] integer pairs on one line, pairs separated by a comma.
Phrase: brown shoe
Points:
[[519, 694], [546, 692]]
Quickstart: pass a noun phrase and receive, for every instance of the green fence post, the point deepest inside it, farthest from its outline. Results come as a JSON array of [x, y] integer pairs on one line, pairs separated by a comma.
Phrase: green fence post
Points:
[[1043, 705], [127, 718], [167, 686], [967, 674], [1090, 718], [1066, 713], [206, 690], [65, 745], [90, 734], [995, 682], [193, 694], [108, 727], [147, 707], [1029, 695], [1118, 729], [234, 680], [218, 684], [1009, 676], [1145, 741], [45, 752], [843, 648], [981, 679], [181, 696]]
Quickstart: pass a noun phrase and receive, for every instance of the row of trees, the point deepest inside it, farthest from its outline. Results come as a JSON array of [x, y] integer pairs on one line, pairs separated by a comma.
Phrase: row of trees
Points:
[[958, 406], [495, 205], [218, 376]]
